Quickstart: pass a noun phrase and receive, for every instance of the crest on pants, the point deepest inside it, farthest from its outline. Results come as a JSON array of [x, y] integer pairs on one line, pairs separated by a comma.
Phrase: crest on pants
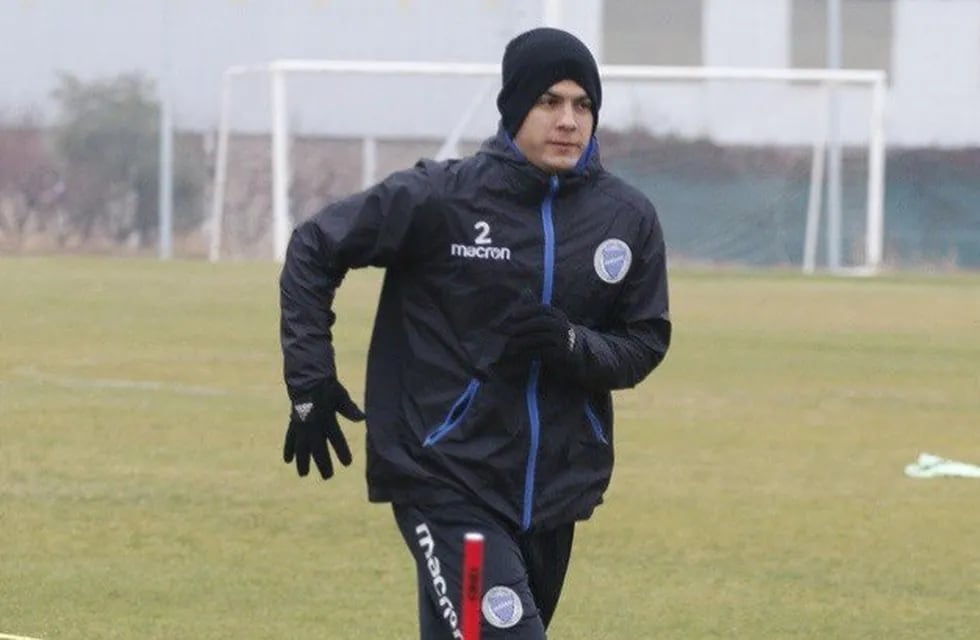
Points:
[[502, 607]]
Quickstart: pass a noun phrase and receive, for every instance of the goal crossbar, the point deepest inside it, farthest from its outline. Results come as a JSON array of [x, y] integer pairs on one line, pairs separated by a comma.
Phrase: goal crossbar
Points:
[[278, 70]]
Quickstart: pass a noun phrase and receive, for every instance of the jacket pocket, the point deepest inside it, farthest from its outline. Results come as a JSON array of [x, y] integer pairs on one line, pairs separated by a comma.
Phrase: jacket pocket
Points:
[[455, 416], [595, 423]]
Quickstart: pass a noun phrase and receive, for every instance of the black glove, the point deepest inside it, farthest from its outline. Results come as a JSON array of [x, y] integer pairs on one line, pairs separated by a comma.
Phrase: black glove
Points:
[[541, 330], [313, 421]]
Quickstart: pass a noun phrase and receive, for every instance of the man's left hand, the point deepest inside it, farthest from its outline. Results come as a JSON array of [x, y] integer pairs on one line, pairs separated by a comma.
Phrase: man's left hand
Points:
[[542, 330]]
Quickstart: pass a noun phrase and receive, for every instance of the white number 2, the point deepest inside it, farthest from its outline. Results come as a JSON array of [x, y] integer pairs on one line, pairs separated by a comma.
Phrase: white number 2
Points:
[[484, 236]]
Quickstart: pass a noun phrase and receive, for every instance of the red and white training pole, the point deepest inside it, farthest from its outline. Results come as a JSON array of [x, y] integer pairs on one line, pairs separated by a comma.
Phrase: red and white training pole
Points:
[[472, 584]]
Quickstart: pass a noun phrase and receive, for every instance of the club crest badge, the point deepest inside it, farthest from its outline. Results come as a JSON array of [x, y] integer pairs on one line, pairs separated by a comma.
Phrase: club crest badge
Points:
[[502, 607], [612, 260]]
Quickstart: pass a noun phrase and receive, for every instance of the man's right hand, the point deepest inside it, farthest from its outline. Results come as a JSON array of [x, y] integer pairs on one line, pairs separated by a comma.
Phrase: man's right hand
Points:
[[313, 422]]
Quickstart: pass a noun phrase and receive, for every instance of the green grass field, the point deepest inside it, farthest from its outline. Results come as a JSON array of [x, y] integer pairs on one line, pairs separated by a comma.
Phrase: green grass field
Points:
[[759, 488]]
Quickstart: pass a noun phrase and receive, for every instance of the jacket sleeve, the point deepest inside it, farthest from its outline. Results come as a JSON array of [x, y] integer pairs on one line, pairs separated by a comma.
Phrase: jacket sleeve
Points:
[[637, 334], [374, 227]]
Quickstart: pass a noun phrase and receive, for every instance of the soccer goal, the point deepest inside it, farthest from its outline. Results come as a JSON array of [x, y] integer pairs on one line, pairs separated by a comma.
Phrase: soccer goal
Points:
[[747, 166]]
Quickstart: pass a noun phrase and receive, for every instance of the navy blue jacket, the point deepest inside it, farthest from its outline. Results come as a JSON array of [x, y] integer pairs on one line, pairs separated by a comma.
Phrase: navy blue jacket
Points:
[[461, 242]]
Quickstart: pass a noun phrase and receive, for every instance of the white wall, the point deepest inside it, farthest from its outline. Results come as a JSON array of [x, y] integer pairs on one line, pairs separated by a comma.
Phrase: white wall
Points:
[[746, 34], [93, 38], [934, 95], [740, 34]]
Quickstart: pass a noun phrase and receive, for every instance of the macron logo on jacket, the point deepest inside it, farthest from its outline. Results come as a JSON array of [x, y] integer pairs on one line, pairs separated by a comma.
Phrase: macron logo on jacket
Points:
[[480, 249]]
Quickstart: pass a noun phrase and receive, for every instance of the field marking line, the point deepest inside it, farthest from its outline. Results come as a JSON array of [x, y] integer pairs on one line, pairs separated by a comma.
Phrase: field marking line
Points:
[[8, 636], [117, 383]]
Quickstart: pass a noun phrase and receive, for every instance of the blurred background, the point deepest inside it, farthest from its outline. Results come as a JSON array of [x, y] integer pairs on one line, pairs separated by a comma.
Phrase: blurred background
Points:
[[759, 488], [104, 101]]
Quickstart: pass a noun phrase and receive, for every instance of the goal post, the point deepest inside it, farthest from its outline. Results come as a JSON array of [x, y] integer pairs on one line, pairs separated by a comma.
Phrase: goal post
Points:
[[825, 86], [827, 79]]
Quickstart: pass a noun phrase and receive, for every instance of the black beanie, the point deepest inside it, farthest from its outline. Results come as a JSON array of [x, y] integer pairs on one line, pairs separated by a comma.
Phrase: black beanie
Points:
[[536, 60]]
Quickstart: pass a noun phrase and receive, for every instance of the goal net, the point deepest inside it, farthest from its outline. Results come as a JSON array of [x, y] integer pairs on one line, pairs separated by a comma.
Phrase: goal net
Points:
[[746, 166]]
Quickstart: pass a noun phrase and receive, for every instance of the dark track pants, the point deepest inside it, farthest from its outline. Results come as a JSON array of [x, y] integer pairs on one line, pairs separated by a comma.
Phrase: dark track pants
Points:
[[522, 575]]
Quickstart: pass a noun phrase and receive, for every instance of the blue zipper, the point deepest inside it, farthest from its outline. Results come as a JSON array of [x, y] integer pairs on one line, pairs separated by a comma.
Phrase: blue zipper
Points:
[[531, 395], [549, 241], [532, 457]]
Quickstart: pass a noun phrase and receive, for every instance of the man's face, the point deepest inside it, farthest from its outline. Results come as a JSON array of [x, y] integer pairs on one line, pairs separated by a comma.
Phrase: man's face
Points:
[[557, 129]]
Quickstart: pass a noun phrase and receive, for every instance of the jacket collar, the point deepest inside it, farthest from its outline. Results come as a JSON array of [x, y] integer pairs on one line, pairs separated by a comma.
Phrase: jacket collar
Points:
[[528, 178]]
